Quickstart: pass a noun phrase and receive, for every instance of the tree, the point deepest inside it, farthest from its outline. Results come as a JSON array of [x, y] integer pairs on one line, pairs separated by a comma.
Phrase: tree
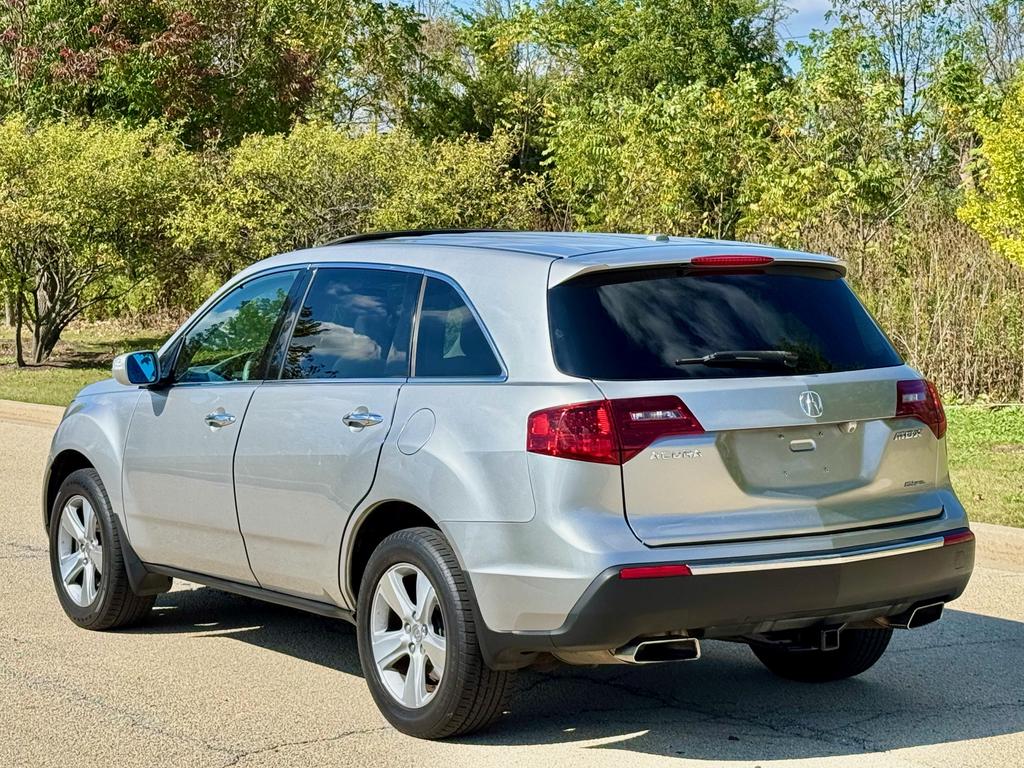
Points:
[[673, 161], [216, 70], [996, 208], [83, 209], [840, 149], [318, 183]]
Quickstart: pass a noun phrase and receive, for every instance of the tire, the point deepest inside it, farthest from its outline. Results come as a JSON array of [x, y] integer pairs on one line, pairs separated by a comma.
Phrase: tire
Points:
[[858, 651], [468, 694], [114, 604]]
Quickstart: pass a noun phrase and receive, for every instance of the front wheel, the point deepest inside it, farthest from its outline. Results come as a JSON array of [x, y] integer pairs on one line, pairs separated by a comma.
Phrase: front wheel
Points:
[[86, 559], [417, 640], [858, 651]]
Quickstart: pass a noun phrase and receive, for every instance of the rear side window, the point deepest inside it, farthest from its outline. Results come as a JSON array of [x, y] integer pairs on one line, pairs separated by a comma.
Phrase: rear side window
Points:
[[661, 324], [451, 342], [354, 324]]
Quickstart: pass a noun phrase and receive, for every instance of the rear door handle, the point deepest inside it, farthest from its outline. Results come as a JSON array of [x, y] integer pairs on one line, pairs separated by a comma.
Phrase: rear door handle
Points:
[[219, 419], [361, 417]]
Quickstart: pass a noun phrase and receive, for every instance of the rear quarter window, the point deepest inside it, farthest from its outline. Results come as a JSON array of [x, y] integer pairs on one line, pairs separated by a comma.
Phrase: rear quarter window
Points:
[[637, 325]]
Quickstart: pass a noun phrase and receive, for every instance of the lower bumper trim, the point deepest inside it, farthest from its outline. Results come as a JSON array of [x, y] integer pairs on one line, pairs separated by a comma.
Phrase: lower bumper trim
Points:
[[734, 599]]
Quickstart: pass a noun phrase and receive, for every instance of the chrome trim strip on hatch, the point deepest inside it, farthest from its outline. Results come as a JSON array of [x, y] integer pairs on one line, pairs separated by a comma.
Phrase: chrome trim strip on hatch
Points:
[[814, 560]]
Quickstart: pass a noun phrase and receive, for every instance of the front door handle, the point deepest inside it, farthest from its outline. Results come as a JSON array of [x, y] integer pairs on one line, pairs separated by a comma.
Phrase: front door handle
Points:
[[361, 417], [219, 419]]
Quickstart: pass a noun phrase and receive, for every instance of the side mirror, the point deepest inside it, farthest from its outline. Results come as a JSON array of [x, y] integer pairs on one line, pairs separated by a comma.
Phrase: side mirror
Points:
[[135, 368]]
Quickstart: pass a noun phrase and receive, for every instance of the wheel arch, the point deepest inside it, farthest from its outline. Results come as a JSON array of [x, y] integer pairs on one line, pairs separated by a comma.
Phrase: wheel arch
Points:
[[91, 435], [374, 525], [63, 465]]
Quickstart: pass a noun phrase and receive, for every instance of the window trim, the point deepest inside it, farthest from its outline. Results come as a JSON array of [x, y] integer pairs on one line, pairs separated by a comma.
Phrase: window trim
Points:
[[178, 337]]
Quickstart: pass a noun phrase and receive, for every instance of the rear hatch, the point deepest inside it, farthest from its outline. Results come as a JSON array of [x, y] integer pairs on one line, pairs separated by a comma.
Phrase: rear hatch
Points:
[[765, 398]]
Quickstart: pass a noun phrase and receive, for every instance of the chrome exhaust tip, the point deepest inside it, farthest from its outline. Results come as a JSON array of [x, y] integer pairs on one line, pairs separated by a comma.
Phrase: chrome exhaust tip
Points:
[[919, 616], [925, 614], [659, 650]]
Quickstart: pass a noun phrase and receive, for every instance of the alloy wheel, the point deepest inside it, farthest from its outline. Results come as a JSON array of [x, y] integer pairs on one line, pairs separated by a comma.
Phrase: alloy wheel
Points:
[[408, 635], [80, 551]]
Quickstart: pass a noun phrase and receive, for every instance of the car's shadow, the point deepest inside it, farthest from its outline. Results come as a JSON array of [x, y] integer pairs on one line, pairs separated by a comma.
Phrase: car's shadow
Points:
[[957, 680]]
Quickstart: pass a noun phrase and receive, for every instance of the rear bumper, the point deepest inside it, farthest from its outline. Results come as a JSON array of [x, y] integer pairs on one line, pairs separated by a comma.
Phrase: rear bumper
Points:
[[736, 598]]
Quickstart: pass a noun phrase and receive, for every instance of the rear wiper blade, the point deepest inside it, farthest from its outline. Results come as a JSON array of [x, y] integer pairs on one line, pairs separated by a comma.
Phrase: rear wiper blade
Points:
[[745, 357]]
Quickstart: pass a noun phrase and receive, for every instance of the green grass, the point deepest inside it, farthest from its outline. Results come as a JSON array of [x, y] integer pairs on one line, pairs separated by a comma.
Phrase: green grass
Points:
[[986, 445], [986, 460], [82, 357]]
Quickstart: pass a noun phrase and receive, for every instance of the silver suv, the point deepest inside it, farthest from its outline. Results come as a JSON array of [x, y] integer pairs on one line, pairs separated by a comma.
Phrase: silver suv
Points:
[[491, 449]]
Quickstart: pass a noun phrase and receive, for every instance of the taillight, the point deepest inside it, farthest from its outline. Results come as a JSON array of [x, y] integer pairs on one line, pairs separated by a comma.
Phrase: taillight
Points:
[[919, 399], [731, 260], [581, 431], [608, 431], [639, 421]]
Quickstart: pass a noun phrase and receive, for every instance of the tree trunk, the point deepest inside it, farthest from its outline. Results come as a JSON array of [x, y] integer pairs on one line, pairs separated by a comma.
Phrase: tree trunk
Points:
[[9, 310], [45, 328], [19, 322], [45, 336]]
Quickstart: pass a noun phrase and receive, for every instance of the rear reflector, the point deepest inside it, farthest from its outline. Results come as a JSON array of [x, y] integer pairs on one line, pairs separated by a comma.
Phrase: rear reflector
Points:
[[608, 431], [919, 399], [957, 537], [734, 260], [654, 571]]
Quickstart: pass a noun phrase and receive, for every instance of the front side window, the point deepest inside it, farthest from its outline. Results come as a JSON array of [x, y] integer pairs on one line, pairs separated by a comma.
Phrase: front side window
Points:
[[354, 324], [451, 342], [230, 342]]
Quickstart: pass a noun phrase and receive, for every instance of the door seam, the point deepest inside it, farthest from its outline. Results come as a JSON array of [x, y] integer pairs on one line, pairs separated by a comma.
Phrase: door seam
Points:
[[234, 486]]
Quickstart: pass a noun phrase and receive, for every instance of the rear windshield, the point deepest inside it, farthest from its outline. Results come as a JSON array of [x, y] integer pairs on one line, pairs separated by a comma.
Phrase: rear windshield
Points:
[[659, 324]]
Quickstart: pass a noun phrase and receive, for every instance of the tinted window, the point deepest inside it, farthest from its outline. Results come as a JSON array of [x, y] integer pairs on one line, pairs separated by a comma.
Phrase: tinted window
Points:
[[451, 341], [354, 324], [638, 325], [229, 342]]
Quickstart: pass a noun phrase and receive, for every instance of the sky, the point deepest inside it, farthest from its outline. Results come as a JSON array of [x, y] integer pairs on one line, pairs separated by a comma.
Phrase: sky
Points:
[[807, 15]]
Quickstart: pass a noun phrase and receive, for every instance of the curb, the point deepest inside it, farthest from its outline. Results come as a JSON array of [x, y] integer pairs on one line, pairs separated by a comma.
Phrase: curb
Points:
[[999, 545], [31, 414]]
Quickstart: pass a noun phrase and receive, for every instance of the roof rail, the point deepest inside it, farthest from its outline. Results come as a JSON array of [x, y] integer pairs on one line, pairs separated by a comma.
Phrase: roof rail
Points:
[[370, 236]]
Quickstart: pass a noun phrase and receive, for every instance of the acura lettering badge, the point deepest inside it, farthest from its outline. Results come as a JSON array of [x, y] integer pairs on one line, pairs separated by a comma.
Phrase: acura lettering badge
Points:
[[810, 403]]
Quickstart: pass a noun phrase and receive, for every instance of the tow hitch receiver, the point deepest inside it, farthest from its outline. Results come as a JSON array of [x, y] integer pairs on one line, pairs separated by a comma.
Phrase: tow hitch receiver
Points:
[[828, 640]]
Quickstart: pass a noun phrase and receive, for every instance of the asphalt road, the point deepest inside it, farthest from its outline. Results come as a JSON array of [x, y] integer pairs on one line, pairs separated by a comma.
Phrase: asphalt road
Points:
[[217, 680]]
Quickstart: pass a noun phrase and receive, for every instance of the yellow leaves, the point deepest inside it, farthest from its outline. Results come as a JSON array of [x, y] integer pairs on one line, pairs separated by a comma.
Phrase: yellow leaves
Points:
[[995, 207]]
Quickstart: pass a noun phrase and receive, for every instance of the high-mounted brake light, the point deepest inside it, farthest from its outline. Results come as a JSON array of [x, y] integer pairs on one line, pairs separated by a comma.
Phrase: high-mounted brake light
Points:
[[919, 399], [654, 571], [608, 431], [731, 260]]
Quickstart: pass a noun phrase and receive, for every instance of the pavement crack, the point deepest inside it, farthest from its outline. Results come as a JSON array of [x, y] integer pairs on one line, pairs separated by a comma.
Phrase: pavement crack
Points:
[[240, 756]]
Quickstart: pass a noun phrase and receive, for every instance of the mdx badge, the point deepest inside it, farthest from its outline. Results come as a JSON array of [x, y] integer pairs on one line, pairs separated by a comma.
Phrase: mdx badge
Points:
[[810, 403]]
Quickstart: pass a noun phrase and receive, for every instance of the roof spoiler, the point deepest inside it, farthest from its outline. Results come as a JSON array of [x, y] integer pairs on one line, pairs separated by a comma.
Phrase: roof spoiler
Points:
[[709, 256]]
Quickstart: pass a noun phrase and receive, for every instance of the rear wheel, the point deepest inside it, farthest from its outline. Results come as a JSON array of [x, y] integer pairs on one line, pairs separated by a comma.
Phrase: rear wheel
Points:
[[86, 560], [417, 640], [858, 651]]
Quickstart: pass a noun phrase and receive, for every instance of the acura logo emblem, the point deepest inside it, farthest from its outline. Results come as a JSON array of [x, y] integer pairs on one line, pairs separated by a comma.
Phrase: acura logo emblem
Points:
[[810, 403]]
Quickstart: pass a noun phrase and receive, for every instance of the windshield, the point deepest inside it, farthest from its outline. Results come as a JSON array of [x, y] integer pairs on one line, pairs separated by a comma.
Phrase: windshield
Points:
[[641, 324]]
